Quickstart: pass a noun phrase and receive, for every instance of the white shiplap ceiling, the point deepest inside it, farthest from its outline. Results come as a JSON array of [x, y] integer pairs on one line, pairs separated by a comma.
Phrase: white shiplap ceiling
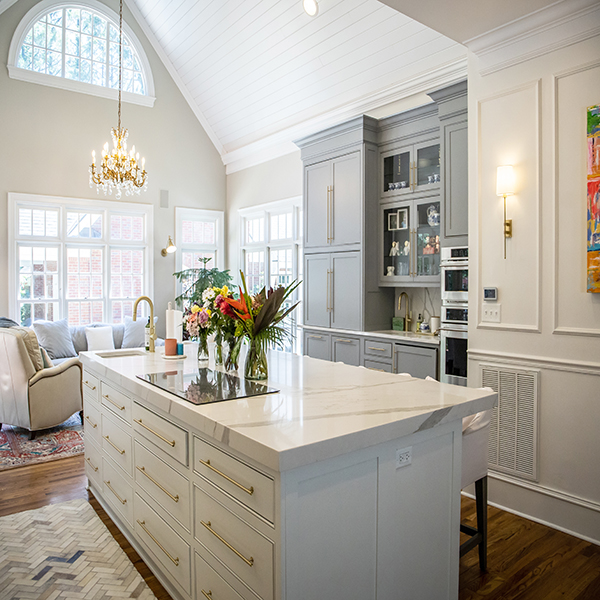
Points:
[[260, 73]]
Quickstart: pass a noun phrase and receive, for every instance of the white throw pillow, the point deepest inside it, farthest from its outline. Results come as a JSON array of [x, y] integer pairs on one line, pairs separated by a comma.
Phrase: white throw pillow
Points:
[[99, 338]]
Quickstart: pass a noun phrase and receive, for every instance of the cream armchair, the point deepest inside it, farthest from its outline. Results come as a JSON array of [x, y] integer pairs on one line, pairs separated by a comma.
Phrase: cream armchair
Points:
[[31, 396]]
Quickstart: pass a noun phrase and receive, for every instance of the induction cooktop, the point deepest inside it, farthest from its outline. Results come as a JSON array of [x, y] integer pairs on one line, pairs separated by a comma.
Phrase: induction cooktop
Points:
[[206, 386]]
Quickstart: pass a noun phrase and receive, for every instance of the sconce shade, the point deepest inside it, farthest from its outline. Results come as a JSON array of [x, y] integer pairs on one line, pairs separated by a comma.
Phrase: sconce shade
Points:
[[505, 181], [171, 247]]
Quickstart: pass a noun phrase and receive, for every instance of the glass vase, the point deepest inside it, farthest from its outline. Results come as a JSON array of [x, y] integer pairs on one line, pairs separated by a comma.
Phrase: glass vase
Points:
[[233, 356], [256, 367], [203, 349], [218, 351]]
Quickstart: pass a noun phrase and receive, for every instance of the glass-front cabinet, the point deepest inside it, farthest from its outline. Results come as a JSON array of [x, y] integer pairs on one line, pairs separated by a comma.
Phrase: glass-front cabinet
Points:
[[414, 168], [411, 243]]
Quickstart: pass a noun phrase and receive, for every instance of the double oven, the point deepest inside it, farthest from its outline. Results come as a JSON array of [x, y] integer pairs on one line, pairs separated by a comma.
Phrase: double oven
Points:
[[455, 315]]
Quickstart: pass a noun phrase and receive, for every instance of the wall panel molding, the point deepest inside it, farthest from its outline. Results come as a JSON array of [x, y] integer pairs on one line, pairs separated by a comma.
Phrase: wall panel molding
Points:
[[558, 78], [534, 326]]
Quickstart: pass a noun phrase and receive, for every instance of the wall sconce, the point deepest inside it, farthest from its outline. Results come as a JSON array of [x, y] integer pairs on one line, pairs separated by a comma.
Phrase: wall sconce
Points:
[[171, 247], [505, 186]]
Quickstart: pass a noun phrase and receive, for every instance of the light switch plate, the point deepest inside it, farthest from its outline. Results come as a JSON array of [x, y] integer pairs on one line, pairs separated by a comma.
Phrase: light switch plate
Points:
[[490, 313]]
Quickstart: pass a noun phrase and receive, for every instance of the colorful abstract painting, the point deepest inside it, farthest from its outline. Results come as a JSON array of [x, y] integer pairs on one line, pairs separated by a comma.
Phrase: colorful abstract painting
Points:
[[593, 199]]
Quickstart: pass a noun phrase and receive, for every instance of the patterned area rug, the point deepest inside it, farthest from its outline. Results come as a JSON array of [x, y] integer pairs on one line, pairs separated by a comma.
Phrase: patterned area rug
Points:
[[64, 551], [62, 441]]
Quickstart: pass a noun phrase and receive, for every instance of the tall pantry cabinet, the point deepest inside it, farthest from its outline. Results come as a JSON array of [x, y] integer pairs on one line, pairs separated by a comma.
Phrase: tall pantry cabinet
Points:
[[341, 288]]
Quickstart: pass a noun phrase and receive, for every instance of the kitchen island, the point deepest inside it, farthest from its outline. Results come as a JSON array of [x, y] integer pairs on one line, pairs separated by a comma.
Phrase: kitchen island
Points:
[[343, 484]]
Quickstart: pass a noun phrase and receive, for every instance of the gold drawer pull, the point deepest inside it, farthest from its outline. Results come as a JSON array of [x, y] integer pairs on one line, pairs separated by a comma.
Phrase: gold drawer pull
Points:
[[113, 402], [142, 524], [207, 594], [143, 470], [249, 490], [171, 443], [248, 561], [92, 387], [345, 341], [374, 369], [379, 349], [91, 465], [115, 447], [94, 425], [315, 337], [110, 487]]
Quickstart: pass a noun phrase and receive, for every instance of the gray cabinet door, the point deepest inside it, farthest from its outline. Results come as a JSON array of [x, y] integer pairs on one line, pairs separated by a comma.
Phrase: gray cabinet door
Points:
[[317, 345], [418, 362], [347, 290], [455, 213], [317, 181], [317, 291], [346, 207], [345, 349]]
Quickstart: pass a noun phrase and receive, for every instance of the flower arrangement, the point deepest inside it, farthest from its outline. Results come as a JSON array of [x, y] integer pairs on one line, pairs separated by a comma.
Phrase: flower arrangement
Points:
[[258, 319], [197, 322], [223, 323], [197, 280]]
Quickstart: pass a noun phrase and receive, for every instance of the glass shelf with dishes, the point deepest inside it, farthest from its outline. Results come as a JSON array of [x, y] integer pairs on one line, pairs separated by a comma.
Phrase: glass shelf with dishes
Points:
[[411, 243], [414, 168]]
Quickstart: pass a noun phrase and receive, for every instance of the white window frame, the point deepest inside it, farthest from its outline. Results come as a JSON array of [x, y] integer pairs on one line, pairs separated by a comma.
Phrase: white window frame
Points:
[[199, 214], [265, 211], [17, 200], [46, 6]]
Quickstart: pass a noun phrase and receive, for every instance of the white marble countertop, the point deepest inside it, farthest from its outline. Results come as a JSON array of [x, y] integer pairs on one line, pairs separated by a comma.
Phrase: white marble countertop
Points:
[[400, 337], [323, 409]]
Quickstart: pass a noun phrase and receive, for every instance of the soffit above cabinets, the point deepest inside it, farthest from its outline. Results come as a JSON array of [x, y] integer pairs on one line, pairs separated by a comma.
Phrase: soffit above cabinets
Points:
[[260, 73]]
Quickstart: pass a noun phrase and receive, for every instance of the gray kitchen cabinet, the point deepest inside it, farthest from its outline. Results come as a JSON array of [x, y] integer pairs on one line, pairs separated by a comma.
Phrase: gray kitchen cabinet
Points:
[[452, 112], [417, 361], [331, 283], [317, 344], [345, 349]]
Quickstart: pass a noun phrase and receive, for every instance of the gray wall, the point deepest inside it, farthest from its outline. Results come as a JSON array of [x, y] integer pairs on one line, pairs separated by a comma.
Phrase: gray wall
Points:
[[48, 135]]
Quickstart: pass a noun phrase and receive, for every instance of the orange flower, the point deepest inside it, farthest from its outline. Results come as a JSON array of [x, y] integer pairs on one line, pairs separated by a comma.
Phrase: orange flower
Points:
[[239, 307]]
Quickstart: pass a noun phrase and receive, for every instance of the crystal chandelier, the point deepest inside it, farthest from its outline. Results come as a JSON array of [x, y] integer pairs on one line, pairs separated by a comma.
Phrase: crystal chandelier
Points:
[[119, 170]]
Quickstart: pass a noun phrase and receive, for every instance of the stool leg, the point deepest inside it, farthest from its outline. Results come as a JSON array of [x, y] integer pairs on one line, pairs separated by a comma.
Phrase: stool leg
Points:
[[481, 500]]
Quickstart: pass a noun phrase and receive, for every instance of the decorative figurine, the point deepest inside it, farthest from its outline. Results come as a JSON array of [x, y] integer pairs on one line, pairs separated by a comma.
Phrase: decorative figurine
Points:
[[390, 271], [395, 251], [406, 248]]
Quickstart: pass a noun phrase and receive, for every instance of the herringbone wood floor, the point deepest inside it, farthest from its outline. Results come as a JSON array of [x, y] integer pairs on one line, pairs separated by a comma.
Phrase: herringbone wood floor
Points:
[[527, 561]]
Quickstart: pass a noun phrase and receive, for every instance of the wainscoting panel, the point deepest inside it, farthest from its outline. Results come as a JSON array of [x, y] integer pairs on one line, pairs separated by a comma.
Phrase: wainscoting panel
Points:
[[513, 446]]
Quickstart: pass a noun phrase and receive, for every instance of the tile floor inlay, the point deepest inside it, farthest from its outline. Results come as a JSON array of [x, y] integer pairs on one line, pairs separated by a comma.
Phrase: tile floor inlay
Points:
[[64, 551]]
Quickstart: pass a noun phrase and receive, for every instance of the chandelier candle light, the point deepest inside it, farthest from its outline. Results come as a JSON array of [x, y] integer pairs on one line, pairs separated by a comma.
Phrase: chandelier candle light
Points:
[[119, 170]]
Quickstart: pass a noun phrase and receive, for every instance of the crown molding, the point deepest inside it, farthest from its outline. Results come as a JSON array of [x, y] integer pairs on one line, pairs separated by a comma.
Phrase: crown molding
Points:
[[281, 143], [557, 26]]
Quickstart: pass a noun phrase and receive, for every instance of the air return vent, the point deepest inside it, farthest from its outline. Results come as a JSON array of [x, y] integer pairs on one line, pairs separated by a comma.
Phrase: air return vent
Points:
[[513, 430]]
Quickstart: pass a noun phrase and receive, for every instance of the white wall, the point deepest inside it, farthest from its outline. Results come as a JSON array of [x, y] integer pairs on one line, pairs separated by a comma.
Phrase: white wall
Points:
[[48, 135], [533, 115]]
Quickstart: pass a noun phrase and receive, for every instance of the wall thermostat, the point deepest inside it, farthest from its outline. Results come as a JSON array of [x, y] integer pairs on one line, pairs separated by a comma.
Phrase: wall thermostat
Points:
[[490, 294]]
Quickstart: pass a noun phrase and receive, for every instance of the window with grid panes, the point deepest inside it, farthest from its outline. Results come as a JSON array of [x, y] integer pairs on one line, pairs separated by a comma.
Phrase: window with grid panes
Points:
[[199, 235], [80, 260], [272, 253], [79, 43]]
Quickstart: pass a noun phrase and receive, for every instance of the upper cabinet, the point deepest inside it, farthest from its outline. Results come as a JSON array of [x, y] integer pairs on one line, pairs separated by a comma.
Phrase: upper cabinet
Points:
[[452, 113], [333, 209]]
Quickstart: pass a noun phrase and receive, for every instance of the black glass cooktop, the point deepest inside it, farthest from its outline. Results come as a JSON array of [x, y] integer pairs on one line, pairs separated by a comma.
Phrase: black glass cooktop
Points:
[[206, 386]]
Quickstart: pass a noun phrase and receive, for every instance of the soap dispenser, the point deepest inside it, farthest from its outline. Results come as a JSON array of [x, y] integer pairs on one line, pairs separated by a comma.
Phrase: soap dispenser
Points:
[[419, 321]]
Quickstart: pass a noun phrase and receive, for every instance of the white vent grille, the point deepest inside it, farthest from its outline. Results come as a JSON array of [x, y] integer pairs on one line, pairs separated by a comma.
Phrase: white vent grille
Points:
[[513, 430]]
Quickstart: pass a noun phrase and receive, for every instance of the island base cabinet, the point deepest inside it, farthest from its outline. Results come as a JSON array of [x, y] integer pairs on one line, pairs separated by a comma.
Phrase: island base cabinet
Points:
[[359, 528]]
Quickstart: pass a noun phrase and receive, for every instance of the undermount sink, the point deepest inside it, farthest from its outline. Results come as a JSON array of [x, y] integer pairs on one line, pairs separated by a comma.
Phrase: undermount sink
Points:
[[121, 354]]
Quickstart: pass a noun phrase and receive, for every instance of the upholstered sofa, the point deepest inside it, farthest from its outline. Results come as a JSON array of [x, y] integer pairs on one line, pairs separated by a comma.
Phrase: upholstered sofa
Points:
[[32, 395]]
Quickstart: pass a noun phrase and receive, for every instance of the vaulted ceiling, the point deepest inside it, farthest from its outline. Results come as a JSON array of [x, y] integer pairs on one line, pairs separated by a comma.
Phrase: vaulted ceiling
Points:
[[259, 73]]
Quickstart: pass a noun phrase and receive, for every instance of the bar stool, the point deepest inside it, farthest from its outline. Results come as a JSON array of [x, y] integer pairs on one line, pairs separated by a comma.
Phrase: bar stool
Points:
[[476, 433]]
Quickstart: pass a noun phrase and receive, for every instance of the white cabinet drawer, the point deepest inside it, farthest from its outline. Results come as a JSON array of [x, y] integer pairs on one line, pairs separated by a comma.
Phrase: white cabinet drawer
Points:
[[117, 444], [162, 433], [93, 463], [240, 547], [91, 421], [91, 386], [116, 401], [252, 488], [209, 584], [171, 550], [163, 484], [117, 490]]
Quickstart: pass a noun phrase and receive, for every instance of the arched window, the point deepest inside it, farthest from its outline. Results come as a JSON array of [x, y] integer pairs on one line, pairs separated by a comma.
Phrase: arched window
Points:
[[79, 43]]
